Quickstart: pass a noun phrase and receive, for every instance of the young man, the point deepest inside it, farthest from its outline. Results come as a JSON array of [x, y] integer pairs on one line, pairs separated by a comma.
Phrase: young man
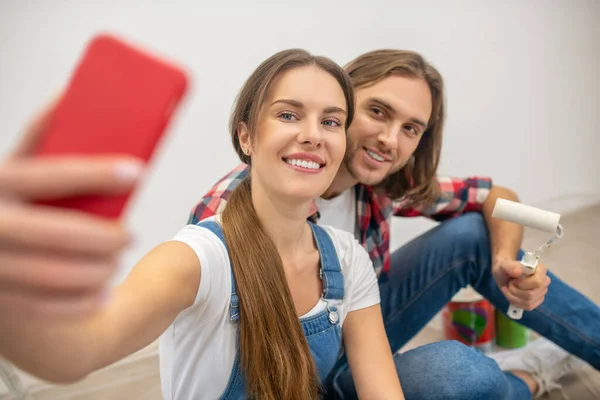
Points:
[[390, 167]]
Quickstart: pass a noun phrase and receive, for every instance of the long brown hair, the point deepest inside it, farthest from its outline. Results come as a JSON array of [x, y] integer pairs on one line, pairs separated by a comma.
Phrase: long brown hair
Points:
[[275, 355], [416, 182]]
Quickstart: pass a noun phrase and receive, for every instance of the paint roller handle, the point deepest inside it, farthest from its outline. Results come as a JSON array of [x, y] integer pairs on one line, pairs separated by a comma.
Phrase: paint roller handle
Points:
[[529, 263]]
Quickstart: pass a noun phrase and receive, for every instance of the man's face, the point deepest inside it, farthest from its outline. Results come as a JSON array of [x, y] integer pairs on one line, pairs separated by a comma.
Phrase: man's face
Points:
[[388, 125]]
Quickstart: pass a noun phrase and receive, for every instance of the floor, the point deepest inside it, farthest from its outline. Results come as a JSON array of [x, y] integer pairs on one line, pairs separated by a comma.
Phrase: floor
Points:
[[575, 259]]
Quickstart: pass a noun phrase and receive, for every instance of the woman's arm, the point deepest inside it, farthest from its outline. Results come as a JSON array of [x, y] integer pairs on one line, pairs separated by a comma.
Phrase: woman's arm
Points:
[[369, 355], [161, 285]]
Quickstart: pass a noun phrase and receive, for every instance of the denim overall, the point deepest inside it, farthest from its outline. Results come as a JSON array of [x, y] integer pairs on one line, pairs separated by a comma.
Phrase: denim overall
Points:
[[322, 331]]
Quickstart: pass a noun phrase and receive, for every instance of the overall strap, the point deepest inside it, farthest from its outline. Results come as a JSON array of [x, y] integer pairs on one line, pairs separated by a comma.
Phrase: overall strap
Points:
[[331, 272], [217, 229]]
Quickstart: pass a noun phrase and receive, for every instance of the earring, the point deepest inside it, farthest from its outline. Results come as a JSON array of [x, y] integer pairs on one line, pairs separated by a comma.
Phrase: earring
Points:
[[246, 151]]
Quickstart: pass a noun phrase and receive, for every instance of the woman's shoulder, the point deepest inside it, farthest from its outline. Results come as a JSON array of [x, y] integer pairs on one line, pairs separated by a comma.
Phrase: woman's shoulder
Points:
[[348, 249], [360, 280], [338, 234], [202, 233], [207, 241], [215, 278]]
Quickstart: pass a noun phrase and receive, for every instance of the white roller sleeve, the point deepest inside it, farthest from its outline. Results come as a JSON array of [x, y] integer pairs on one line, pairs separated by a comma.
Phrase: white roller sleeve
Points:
[[526, 215]]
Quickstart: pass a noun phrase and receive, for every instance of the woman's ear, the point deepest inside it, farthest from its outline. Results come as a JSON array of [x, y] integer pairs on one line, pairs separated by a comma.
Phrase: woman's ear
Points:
[[244, 138]]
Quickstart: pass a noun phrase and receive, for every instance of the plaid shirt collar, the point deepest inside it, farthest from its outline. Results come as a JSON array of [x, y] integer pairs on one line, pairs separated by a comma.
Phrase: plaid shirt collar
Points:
[[373, 213]]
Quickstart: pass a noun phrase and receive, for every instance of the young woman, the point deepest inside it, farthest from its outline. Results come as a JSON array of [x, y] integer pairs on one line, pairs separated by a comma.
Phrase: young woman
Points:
[[256, 302]]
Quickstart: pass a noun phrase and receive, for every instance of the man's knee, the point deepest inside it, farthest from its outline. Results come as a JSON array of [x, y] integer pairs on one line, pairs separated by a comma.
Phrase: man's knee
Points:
[[450, 370], [446, 370], [468, 230]]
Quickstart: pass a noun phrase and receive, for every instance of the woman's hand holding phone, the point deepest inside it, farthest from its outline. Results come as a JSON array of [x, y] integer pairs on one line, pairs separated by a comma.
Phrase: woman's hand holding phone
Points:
[[57, 262], [63, 191]]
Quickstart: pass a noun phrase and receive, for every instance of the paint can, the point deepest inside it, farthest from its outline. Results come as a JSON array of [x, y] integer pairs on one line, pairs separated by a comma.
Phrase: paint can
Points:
[[470, 319], [509, 333]]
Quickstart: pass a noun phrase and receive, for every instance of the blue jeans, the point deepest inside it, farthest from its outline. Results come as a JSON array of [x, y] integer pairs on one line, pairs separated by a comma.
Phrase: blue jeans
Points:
[[424, 275]]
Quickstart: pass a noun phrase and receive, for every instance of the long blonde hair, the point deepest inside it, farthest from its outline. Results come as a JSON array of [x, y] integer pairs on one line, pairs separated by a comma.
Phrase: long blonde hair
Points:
[[275, 356]]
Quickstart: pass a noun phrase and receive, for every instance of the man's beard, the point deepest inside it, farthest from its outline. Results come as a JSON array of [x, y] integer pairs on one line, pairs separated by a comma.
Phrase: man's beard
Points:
[[366, 180], [348, 164]]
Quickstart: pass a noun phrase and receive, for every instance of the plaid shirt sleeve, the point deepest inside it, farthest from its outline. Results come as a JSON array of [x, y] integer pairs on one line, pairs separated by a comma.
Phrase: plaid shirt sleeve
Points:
[[215, 200], [459, 195]]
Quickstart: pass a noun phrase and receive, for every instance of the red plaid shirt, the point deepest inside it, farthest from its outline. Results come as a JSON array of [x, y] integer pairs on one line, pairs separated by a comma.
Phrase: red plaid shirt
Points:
[[374, 211]]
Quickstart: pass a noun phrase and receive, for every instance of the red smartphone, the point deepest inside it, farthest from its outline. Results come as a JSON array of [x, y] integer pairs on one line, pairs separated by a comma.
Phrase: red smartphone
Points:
[[119, 101]]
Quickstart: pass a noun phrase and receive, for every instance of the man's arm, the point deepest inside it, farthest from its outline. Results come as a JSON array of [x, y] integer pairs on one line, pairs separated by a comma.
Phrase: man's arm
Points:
[[505, 241], [215, 200], [505, 237], [457, 196]]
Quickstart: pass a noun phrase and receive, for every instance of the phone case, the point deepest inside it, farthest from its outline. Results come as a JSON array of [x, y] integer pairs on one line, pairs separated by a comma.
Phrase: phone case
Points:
[[118, 101]]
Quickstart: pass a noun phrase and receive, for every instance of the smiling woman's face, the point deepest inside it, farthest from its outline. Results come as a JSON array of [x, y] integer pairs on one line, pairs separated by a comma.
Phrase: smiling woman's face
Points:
[[300, 137]]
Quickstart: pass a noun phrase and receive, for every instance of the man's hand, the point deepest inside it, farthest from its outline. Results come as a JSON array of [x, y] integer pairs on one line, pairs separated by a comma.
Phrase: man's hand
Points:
[[526, 292]]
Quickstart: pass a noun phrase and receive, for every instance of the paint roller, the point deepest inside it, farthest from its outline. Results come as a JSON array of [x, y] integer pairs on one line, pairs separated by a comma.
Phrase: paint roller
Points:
[[533, 218]]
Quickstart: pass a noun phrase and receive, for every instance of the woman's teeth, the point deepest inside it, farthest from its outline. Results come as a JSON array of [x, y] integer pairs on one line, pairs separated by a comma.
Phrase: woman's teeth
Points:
[[304, 164]]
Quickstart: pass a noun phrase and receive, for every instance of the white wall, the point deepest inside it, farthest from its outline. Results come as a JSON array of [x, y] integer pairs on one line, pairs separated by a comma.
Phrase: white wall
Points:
[[518, 74]]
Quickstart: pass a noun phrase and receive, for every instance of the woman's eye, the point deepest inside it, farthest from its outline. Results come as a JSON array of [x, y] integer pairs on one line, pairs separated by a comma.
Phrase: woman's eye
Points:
[[288, 116], [331, 122]]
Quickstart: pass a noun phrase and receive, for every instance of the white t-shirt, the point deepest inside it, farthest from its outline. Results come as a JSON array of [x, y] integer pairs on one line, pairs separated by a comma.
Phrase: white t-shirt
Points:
[[339, 212], [197, 351]]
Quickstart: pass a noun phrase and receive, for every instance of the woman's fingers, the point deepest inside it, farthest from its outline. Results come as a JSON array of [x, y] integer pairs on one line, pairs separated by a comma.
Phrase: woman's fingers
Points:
[[49, 178]]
